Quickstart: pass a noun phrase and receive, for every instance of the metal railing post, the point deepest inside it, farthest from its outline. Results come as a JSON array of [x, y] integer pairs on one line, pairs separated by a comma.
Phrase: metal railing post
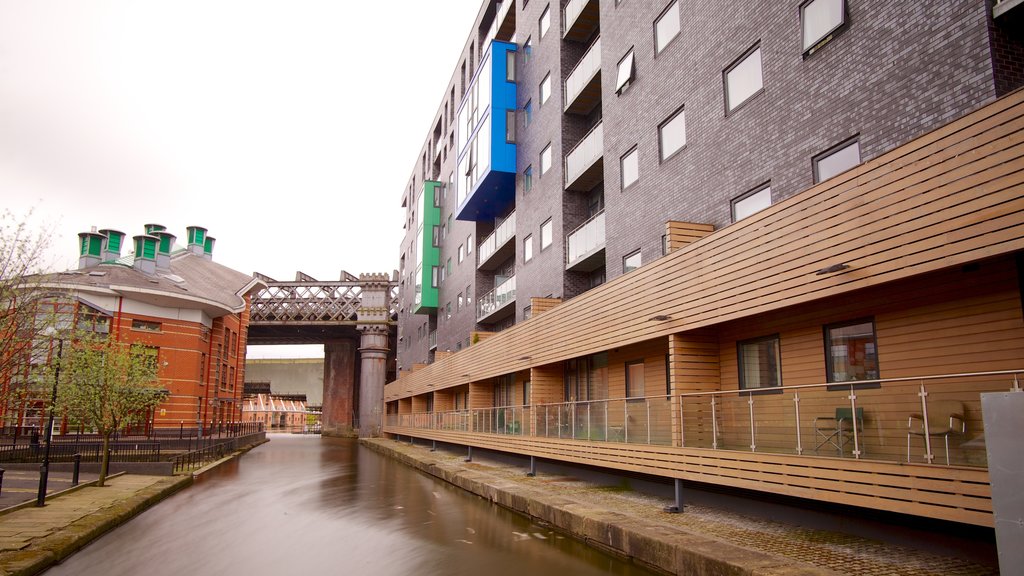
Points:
[[78, 464], [606, 421], [625, 421], [855, 422], [796, 407], [927, 433], [750, 404], [647, 402], [590, 436], [714, 425]]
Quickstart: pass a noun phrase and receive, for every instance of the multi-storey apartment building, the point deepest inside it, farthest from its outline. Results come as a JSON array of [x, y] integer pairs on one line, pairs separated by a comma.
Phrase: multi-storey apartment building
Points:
[[773, 247], [570, 133]]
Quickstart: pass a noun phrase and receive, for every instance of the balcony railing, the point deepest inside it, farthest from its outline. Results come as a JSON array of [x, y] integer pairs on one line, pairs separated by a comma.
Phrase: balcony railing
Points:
[[503, 232], [586, 69], [925, 420], [571, 18], [581, 159], [495, 300], [585, 241], [432, 340]]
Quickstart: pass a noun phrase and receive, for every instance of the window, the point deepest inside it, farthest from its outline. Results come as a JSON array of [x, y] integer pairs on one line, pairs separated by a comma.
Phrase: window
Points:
[[851, 352], [145, 326], [469, 244], [202, 369], [631, 262], [528, 248], [443, 274], [449, 266], [545, 89], [527, 312], [433, 277], [672, 134], [666, 28], [819, 19], [510, 126], [836, 160], [743, 79], [462, 253], [630, 168], [527, 50], [545, 234], [625, 74], [545, 21], [545, 159], [635, 379], [528, 179], [469, 296], [528, 113], [751, 202], [510, 66], [458, 302], [448, 311], [760, 363]]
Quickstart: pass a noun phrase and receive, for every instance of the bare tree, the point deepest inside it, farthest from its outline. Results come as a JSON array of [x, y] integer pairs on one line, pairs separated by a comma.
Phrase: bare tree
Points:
[[22, 260]]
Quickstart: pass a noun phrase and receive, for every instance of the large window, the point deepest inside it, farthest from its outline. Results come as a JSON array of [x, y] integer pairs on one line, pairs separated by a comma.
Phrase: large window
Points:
[[631, 262], [545, 89], [630, 168], [760, 363], [545, 234], [635, 379], [625, 72], [667, 27], [545, 21], [751, 203], [836, 160], [819, 19], [743, 79], [545, 159], [851, 352], [672, 134], [528, 248]]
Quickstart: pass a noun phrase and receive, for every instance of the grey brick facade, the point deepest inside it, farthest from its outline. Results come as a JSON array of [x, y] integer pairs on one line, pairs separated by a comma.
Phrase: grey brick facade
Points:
[[894, 71]]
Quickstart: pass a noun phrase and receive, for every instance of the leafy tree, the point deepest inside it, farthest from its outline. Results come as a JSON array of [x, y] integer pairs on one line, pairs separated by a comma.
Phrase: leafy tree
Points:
[[105, 385], [22, 259]]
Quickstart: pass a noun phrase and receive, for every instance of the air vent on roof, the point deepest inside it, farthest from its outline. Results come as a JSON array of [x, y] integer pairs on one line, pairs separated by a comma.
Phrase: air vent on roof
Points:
[[97, 273], [174, 278]]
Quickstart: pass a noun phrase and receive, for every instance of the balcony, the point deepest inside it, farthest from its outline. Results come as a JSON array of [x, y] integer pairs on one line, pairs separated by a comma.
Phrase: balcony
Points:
[[583, 86], [432, 340], [505, 22], [498, 246], [497, 304], [584, 164], [584, 246], [580, 18]]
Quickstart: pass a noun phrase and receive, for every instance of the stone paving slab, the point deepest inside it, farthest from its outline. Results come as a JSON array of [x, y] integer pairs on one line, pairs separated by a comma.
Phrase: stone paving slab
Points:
[[702, 540], [32, 539]]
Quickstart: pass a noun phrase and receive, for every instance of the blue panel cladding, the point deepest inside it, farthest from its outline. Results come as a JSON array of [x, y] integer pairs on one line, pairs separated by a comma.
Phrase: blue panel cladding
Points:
[[494, 193]]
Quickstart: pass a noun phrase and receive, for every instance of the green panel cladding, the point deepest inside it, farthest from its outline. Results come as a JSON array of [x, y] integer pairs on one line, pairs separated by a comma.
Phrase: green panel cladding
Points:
[[429, 254]]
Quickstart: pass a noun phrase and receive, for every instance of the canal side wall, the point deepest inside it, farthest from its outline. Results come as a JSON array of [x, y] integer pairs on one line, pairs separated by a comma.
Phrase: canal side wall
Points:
[[660, 547]]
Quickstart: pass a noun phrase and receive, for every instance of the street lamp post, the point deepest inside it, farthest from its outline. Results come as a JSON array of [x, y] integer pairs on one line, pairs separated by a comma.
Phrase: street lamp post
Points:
[[44, 470]]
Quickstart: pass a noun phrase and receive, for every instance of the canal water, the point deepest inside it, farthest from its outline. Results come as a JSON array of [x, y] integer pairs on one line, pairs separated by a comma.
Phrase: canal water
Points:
[[306, 505]]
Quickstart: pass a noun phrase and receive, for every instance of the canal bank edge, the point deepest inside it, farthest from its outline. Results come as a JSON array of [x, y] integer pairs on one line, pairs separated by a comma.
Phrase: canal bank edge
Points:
[[52, 549], [65, 541], [659, 547]]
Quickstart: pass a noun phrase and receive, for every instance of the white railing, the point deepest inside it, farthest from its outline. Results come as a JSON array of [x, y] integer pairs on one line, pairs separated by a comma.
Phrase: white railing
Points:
[[927, 419], [496, 299], [572, 11], [585, 239], [585, 69], [503, 232], [584, 154]]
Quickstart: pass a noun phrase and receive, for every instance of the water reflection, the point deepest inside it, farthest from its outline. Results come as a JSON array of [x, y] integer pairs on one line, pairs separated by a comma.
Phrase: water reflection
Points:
[[305, 505]]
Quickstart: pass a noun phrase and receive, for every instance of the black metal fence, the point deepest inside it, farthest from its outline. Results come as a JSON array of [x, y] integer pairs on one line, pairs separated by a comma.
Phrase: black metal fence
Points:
[[213, 452], [90, 451]]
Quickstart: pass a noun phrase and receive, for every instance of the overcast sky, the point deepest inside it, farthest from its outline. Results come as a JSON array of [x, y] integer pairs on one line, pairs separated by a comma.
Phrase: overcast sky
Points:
[[287, 128]]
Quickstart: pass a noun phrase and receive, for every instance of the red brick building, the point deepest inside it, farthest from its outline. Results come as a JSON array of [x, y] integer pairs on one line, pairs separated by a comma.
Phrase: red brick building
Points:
[[192, 313]]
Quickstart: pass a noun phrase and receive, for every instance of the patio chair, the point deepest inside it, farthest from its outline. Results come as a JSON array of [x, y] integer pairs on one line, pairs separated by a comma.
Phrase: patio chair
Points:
[[945, 418], [838, 430]]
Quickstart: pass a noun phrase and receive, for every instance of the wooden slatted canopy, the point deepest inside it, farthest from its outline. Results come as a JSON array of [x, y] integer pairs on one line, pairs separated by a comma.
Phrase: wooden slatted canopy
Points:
[[953, 196]]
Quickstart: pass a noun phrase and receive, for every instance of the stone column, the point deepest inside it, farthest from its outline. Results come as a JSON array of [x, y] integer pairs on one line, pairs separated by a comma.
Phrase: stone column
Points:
[[339, 387], [374, 327]]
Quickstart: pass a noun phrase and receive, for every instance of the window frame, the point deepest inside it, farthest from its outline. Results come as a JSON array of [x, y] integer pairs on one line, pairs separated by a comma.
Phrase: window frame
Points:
[[748, 195], [865, 383], [817, 158], [634, 151], [679, 113], [542, 99], [729, 109], [527, 248], [679, 27], [528, 179], [550, 233], [820, 42], [542, 26], [622, 85], [636, 253], [547, 149], [777, 388], [629, 385]]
